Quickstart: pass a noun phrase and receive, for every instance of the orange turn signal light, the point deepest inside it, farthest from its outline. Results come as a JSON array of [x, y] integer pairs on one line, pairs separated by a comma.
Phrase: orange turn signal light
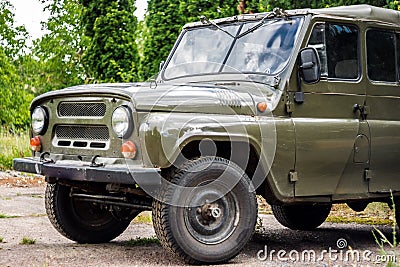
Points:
[[262, 106], [128, 150], [36, 144]]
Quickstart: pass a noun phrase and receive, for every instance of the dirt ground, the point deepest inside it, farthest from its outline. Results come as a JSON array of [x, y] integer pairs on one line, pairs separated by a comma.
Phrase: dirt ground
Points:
[[22, 214]]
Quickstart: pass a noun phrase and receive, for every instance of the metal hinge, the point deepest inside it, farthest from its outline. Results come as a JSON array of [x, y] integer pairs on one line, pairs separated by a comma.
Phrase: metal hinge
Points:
[[368, 174], [289, 107], [293, 177]]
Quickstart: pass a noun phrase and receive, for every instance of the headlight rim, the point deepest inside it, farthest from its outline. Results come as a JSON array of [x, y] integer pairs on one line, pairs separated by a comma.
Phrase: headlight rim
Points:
[[45, 120], [130, 127]]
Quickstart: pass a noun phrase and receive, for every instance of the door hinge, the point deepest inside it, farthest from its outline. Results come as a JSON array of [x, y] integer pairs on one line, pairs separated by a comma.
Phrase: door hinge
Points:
[[293, 176], [368, 174], [289, 107]]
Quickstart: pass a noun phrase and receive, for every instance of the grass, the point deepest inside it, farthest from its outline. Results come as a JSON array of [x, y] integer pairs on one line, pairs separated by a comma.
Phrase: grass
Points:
[[142, 241], [376, 213], [27, 241], [5, 216], [13, 146], [1, 239], [144, 217]]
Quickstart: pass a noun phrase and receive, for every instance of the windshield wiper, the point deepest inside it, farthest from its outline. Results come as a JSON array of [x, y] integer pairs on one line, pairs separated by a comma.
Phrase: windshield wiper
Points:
[[277, 12], [205, 20]]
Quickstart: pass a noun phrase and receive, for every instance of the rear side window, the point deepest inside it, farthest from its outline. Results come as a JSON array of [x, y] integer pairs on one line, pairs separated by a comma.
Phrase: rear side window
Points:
[[398, 56], [381, 55], [337, 46]]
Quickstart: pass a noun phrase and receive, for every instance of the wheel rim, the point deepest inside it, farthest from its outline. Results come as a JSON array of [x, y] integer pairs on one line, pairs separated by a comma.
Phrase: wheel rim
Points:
[[211, 223]]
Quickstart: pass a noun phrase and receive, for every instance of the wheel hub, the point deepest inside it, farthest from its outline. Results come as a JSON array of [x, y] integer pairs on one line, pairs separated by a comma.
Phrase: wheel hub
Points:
[[209, 212], [211, 223]]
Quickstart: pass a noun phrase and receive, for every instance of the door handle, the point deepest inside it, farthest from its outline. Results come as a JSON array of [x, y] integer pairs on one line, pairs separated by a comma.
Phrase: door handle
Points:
[[363, 110]]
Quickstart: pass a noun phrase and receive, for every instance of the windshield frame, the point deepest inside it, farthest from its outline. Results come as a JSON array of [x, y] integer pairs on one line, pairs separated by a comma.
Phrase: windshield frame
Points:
[[239, 35]]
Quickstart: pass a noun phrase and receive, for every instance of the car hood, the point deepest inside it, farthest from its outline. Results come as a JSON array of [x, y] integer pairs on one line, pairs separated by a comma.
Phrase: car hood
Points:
[[190, 98]]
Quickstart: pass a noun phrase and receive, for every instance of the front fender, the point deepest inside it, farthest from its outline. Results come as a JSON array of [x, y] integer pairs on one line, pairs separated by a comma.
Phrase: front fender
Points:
[[163, 136]]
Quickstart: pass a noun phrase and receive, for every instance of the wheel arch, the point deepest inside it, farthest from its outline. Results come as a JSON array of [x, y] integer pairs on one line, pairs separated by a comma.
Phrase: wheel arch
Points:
[[190, 149]]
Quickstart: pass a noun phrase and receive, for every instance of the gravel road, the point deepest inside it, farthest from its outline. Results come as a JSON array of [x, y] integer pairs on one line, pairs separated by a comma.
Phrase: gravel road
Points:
[[25, 217]]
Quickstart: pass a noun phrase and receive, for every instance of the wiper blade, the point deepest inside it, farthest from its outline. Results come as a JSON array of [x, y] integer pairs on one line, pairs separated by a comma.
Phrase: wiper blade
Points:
[[277, 12], [205, 20]]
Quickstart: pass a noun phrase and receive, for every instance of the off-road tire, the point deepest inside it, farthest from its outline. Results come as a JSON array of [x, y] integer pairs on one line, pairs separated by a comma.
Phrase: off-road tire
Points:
[[172, 224], [63, 213], [301, 217]]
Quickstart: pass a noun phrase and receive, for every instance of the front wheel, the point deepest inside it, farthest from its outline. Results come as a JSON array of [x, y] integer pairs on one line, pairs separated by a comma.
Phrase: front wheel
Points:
[[301, 217], [216, 213], [80, 221]]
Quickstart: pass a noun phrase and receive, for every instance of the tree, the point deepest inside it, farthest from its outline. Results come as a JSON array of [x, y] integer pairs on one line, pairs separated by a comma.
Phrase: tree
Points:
[[12, 38], [15, 100], [162, 25], [110, 28], [191, 10], [56, 61]]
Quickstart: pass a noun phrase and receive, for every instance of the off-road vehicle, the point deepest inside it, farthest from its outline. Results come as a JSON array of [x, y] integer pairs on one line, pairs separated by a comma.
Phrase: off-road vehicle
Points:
[[299, 106]]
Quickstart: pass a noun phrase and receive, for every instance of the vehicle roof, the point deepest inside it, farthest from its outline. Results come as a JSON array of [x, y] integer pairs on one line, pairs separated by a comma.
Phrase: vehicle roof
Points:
[[358, 12], [361, 12]]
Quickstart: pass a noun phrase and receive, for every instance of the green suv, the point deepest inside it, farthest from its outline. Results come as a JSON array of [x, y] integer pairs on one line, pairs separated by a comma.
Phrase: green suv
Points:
[[299, 106]]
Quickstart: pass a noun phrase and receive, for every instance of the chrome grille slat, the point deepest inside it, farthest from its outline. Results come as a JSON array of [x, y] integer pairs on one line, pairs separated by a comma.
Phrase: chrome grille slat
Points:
[[82, 132], [79, 109]]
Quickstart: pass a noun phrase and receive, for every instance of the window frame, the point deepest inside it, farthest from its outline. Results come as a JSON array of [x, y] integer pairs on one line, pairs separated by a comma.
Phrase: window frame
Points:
[[359, 50]]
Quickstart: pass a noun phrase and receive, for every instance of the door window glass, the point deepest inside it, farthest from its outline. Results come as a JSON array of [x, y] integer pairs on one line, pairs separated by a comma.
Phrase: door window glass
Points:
[[337, 46], [381, 55]]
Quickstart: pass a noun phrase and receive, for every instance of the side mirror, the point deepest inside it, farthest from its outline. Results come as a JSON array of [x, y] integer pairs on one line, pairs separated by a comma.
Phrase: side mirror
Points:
[[310, 66], [161, 65]]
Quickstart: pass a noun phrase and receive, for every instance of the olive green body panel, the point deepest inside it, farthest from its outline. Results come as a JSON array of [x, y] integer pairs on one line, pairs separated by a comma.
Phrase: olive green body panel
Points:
[[383, 101], [173, 131]]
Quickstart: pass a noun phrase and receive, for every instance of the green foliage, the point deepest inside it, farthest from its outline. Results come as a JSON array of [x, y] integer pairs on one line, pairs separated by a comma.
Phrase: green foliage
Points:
[[14, 105], [161, 28], [56, 60], [394, 5], [5, 216], [191, 10], [15, 99], [13, 146], [12, 38], [27, 241], [110, 28]]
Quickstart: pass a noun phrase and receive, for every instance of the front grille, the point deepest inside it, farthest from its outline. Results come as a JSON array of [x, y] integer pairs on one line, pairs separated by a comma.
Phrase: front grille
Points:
[[78, 132], [75, 109]]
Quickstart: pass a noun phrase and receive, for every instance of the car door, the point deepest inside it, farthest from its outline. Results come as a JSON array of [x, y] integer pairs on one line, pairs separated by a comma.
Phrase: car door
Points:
[[383, 102], [326, 124]]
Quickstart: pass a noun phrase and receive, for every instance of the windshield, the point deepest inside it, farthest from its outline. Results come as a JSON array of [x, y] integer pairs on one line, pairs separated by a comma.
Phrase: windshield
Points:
[[208, 50]]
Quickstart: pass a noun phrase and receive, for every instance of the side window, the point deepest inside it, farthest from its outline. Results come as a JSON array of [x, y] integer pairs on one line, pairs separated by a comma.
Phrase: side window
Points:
[[398, 57], [337, 46], [381, 55]]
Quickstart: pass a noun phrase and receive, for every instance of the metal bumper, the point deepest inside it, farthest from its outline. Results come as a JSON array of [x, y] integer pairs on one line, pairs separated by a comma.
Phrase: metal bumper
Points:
[[103, 174]]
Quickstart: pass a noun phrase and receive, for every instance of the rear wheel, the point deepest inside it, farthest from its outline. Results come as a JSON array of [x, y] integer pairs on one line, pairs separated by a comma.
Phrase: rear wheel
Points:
[[301, 217], [216, 221], [82, 221]]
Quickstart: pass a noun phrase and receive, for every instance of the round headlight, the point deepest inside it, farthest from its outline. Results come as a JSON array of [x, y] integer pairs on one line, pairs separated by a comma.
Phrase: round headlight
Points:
[[121, 121], [39, 120]]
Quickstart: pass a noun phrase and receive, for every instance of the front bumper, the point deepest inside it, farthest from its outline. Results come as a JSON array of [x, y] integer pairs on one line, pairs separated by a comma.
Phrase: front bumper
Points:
[[76, 171]]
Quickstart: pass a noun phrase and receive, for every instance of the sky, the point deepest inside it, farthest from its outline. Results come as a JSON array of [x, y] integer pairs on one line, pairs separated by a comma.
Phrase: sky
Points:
[[30, 13]]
